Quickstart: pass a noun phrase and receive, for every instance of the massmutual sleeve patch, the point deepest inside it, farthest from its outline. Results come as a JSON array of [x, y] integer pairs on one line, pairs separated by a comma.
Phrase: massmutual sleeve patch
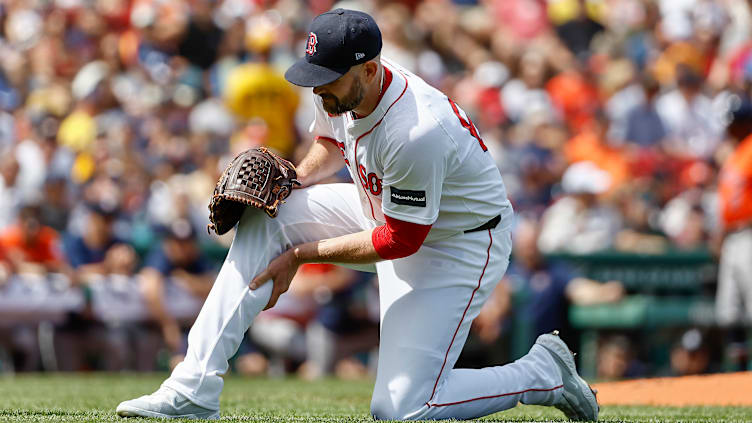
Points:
[[407, 197]]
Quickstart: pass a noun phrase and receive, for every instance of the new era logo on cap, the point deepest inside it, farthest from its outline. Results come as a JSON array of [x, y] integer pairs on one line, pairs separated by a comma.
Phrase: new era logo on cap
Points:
[[337, 40]]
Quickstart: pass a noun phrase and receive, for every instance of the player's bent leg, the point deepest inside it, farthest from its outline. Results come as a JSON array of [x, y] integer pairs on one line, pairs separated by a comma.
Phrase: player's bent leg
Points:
[[409, 386], [545, 376], [472, 393], [310, 214], [428, 302], [228, 311]]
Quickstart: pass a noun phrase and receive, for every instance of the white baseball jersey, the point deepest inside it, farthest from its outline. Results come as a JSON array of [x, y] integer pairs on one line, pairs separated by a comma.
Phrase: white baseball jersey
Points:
[[418, 158]]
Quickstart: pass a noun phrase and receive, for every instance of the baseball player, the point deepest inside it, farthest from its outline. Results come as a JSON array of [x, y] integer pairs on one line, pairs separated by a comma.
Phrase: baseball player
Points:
[[734, 294], [428, 212]]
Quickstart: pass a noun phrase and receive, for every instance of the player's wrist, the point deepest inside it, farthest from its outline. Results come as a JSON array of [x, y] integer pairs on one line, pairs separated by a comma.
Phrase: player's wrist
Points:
[[305, 181], [297, 255]]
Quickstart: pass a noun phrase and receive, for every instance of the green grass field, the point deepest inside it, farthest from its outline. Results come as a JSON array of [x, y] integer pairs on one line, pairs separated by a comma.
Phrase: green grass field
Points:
[[92, 398]]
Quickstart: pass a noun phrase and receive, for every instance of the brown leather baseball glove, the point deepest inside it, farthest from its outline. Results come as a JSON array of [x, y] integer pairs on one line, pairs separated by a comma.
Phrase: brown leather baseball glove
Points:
[[256, 177]]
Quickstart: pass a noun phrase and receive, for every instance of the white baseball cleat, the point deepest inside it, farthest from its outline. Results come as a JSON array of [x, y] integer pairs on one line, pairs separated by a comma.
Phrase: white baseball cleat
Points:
[[578, 401], [165, 404]]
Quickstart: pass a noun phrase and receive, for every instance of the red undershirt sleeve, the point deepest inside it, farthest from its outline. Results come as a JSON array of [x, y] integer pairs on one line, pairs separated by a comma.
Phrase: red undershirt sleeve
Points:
[[398, 239]]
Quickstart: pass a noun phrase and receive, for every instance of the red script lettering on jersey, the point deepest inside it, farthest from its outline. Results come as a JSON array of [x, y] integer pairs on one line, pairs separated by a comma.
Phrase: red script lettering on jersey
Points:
[[370, 182]]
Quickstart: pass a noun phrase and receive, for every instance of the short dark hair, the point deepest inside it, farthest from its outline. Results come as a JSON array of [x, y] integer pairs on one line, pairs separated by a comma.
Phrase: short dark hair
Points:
[[687, 77]]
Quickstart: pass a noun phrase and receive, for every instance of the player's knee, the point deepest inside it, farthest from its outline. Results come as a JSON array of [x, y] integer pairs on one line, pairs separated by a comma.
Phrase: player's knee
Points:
[[383, 409], [388, 406]]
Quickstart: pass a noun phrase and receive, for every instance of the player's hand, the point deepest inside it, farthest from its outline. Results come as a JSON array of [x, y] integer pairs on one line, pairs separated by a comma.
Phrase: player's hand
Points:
[[281, 270]]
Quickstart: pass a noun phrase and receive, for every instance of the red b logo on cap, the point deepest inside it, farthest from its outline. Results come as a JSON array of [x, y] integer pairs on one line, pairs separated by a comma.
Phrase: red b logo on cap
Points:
[[311, 46]]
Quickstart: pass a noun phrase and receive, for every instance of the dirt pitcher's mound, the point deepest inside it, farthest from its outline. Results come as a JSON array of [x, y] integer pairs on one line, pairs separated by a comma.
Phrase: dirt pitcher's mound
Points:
[[720, 389]]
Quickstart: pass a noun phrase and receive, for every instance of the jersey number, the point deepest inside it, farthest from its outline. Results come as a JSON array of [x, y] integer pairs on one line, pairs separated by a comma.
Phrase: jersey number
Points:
[[370, 182], [467, 124]]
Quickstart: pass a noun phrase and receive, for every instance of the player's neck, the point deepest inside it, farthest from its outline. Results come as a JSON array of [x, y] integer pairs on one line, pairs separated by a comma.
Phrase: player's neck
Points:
[[372, 97]]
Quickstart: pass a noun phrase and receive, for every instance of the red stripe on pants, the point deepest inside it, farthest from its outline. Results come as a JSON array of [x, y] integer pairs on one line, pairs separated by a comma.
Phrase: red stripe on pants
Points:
[[488, 257]]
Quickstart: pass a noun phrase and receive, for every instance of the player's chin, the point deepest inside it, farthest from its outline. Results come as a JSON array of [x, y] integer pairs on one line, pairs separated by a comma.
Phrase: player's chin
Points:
[[331, 104]]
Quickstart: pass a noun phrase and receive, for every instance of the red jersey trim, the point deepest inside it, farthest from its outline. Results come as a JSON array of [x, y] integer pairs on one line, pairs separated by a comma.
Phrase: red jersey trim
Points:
[[497, 396], [387, 81], [446, 355], [357, 165], [331, 140]]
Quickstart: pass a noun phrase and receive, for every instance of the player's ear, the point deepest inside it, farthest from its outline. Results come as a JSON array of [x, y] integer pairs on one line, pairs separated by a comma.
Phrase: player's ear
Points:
[[371, 70]]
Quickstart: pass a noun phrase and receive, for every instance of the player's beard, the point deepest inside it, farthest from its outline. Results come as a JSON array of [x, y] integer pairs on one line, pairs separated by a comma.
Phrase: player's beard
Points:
[[349, 102]]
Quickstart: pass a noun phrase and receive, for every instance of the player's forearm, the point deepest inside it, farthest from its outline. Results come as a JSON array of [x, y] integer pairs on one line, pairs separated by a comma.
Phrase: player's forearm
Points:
[[322, 161], [354, 248]]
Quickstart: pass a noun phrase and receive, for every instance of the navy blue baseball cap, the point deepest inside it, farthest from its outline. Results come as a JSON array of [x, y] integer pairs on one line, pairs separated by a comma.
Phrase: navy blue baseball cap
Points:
[[337, 40]]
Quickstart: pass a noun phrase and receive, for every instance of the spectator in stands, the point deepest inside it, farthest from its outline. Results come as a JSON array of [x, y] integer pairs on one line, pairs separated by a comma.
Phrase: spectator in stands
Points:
[[640, 234], [524, 97], [9, 197], [56, 208], [694, 128], [346, 323], [109, 334], [545, 287], [574, 94], [29, 247], [86, 252], [32, 247], [591, 144], [690, 356], [578, 31], [4, 268], [320, 323], [684, 222], [249, 360], [98, 257], [531, 171], [581, 221], [281, 331], [176, 260], [201, 37], [616, 359], [644, 127], [95, 255], [256, 90]]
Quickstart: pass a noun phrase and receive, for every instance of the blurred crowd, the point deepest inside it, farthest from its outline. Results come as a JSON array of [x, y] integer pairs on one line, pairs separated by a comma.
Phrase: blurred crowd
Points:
[[609, 121]]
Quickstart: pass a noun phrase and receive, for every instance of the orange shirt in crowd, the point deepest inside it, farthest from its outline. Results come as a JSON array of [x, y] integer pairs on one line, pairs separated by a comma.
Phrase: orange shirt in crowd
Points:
[[574, 97], [735, 187], [43, 251], [587, 146]]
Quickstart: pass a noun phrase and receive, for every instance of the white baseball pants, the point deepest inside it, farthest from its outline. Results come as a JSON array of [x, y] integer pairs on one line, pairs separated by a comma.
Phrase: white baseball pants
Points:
[[734, 292], [427, 300]]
